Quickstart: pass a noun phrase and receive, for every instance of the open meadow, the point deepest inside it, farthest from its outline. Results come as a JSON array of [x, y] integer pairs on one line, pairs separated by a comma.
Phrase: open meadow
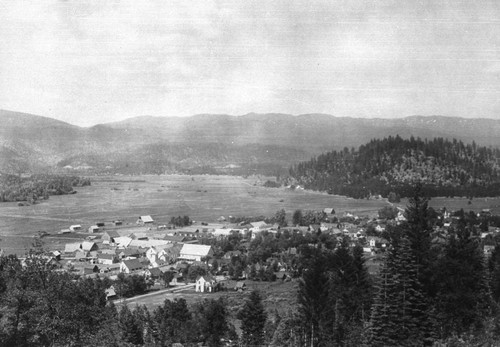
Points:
[[456, 203], [203, 198]]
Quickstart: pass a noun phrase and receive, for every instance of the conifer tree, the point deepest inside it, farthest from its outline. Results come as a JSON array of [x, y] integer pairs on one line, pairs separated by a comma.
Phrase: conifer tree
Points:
[[253, 319], [464, 298], [130, 328], [400, 314], [494, 271], [313, 298], [418, 232]]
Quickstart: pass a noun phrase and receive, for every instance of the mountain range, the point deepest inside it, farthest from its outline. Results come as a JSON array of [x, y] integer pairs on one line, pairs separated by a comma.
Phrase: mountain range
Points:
[[252, 143]]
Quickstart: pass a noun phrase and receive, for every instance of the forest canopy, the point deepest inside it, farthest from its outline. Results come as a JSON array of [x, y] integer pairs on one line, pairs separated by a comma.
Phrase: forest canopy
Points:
[[394, 164], [37, 187]]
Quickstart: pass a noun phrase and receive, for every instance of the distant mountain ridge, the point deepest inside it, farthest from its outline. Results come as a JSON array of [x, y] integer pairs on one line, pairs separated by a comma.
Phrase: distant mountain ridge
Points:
[[30, 143]]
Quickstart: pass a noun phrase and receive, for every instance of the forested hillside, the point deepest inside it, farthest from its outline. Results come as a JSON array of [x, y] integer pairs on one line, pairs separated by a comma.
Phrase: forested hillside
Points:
[[36, 187], [443, 167]]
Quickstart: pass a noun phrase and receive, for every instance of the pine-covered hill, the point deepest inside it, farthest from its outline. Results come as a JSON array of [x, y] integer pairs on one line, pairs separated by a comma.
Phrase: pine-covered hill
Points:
[[393, 164]]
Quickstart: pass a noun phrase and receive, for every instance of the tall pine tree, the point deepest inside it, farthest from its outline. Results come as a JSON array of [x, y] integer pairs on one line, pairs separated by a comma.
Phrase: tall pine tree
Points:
[[464, 299], [400, 314], [253, 320]]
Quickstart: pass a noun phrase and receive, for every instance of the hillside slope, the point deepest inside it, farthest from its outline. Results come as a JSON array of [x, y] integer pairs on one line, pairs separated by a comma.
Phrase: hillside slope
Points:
[[253, 143], [394, 164]]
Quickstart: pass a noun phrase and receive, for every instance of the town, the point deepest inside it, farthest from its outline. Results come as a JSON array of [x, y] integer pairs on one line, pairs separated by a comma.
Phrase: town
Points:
[[198, 257]]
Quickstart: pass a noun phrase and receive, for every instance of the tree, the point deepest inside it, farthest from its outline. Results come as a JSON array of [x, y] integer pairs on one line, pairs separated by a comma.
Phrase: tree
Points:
[[253, 319], [172, 323], [393, 197], [280, 218], [312, 295], [130, 327], [288, 332], [388, 212], [418, 232], [463, 298], [195, 271], [297, 217], [494, 269], [167, 277], [400, 314], [213, 321]]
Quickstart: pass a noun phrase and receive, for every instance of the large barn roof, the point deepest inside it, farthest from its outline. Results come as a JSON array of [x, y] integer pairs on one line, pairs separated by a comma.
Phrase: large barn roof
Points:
[[196, 250]]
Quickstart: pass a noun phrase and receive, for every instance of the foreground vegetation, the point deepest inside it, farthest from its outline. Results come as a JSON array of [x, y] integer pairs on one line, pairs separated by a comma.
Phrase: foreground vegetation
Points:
[[432, 288]]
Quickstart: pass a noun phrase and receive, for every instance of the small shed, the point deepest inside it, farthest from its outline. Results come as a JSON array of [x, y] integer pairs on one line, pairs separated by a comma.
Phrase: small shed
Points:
[[93, 229], [75, 227], [110, 293]]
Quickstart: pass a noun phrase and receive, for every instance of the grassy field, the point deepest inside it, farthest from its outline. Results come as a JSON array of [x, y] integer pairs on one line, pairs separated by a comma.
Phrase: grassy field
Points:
[[203, 198], [456, 203]]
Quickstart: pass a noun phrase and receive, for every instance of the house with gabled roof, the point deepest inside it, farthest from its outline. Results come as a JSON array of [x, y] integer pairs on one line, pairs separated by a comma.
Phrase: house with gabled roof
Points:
[[129, 253], [154, 273], [329, 211], [107, 259], [129, 266], [123, 241], [89, 246], [174, 238], [72, 247], [110, 235], [194, 252], [261, 225], [205, 283], [153, 253], [143, 220]]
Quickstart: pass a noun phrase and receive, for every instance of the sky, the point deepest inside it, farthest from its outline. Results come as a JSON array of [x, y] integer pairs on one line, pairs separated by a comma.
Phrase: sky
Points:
[[89, 62]]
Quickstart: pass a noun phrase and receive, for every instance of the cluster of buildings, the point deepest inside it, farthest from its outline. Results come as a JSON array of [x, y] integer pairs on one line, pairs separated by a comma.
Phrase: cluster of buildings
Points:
[[147, 248]]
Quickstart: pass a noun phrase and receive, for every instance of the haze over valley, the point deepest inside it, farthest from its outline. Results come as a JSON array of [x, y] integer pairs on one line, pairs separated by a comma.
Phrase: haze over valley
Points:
[[248, 144]]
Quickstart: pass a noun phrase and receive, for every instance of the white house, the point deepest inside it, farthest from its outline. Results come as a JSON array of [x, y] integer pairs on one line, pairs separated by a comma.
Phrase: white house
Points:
[[107, 259], [195, 252], [205, 283], [156, 254]]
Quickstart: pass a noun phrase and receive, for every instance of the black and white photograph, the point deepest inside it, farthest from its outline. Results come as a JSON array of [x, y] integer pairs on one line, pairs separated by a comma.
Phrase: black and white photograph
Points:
[[254, 173]]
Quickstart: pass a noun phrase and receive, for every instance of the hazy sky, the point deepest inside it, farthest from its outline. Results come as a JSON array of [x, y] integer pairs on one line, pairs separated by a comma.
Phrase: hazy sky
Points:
[[88, 62]]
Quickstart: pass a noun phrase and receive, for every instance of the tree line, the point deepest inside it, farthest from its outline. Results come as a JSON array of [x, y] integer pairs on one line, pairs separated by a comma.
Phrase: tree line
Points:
[[37, 187]]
